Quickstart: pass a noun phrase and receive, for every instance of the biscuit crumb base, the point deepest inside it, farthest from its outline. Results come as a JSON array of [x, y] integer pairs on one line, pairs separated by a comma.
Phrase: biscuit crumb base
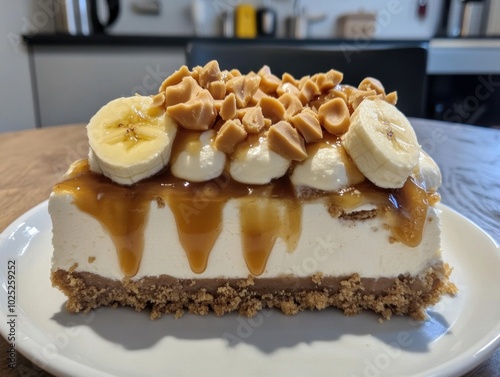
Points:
[[404, 295]]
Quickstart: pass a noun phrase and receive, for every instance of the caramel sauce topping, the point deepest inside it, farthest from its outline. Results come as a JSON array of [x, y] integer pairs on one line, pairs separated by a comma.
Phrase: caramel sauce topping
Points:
[[267, 212], [123, 213], [263, 221], [198, 225]]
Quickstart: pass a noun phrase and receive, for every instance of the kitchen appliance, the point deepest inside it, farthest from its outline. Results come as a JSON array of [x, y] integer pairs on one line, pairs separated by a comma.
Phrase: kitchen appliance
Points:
[[493, 19], [472, 18], [198, 16], [81, 17], [226, 24], [357, 25], [245, 23], [297, 26], [266, 21], [467, 18], [65, 18]]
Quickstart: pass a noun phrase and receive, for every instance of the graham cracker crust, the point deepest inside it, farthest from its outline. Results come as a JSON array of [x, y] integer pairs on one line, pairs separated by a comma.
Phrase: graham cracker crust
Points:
[[404, 295]]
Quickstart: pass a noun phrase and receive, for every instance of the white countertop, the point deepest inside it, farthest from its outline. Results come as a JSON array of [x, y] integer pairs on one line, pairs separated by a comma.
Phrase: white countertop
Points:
[[464, 56]]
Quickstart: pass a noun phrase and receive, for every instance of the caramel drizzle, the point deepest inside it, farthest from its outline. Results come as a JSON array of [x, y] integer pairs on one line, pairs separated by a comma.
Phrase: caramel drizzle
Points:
[[198, 227], [123, 213], [263, 221], [267, 213]]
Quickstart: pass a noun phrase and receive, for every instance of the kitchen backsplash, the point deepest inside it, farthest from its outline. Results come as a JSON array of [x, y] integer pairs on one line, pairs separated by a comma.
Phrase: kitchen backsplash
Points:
[[400, 19]]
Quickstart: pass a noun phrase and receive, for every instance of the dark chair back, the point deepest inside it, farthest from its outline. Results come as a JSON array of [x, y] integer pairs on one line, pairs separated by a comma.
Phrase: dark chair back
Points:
[[398, 67]]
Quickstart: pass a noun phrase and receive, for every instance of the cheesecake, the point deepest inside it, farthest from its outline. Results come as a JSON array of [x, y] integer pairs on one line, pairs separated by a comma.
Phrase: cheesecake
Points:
[[229, 192]]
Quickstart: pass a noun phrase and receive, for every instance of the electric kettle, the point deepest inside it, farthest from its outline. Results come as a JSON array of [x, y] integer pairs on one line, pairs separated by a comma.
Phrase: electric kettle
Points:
[[78, 17]]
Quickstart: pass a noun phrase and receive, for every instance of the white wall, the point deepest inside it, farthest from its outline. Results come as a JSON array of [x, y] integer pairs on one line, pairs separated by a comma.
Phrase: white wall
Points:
[[16, 100], [396, 18]]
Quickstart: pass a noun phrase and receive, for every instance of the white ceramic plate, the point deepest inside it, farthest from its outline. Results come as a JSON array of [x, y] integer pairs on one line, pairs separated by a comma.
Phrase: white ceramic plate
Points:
[[460, 333]]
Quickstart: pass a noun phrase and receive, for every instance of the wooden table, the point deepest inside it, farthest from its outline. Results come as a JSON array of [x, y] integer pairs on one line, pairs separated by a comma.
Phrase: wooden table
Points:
[[469, 157]]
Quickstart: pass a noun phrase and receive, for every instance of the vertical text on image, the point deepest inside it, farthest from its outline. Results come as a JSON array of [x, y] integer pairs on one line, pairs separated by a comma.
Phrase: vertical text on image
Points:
[[11, 313]]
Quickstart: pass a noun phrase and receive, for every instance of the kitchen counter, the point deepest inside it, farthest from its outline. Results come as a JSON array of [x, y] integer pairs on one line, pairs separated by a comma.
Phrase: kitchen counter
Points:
[[163, 40], [464, 56], [145, 60], [104, 40], [446, 56]]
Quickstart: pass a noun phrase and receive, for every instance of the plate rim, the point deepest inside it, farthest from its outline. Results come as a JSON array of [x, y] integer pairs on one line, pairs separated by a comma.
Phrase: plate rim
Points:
[[62, 364]]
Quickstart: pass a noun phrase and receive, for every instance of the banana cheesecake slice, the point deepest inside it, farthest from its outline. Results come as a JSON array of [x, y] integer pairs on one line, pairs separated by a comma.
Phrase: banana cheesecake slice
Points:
[[236, 192]]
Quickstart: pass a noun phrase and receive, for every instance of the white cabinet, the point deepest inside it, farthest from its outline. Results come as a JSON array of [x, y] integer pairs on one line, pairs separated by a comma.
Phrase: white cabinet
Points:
[[73, 82]]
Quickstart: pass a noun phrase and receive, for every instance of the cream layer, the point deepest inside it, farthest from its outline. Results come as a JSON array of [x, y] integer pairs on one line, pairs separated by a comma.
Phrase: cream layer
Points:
[[327, 245]]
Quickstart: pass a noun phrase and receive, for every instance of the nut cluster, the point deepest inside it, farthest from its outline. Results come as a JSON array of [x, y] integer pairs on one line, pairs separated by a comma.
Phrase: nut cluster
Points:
[[293, 112]]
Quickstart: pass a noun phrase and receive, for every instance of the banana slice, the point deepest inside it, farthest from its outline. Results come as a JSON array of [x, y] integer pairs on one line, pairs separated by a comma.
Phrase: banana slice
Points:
[[382, 143], [326, 168], [198, 160], [128, 141], [427, 173], [254, 163]]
